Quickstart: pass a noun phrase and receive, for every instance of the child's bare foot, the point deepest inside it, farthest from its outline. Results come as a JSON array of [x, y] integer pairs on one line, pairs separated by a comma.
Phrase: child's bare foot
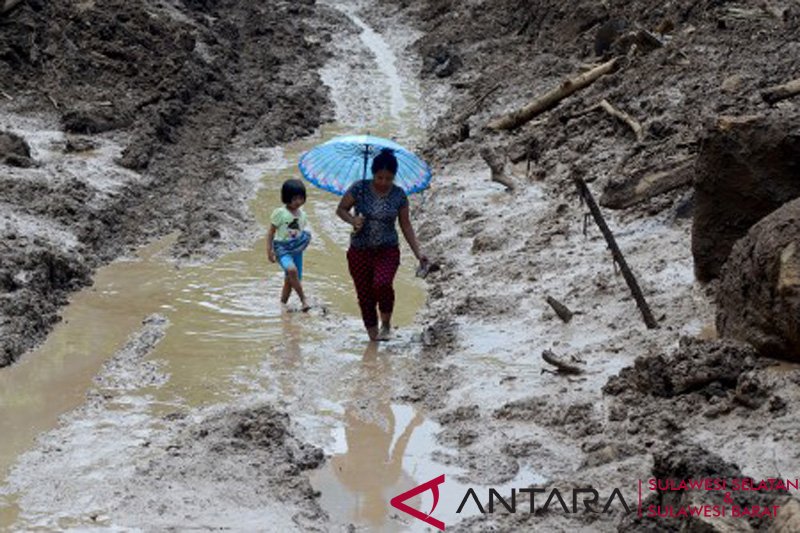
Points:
[[306, 307]]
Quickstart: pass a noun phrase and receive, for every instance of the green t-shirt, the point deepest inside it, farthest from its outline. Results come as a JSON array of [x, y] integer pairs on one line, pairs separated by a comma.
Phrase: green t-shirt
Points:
[[288, 225]]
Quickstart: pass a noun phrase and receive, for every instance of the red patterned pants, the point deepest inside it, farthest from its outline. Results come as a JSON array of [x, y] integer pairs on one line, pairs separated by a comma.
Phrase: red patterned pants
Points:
[[373, 270]]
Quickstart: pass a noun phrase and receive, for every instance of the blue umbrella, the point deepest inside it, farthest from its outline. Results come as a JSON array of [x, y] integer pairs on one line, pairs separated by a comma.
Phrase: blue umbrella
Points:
[[337, 164]]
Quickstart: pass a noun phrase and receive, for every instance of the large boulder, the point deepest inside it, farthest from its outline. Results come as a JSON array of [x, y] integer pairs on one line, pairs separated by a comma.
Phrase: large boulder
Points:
[[758, 300], [746, 169]]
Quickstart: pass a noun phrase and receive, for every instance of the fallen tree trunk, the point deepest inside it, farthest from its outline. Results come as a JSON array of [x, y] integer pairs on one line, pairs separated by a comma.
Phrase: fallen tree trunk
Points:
[[625, 118], [781, 92], [552, 98], [630, 279], [646, 186], [562, 366]]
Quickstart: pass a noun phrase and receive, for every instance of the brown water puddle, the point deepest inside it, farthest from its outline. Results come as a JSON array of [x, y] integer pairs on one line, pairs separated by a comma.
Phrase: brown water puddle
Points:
[[224, 317]]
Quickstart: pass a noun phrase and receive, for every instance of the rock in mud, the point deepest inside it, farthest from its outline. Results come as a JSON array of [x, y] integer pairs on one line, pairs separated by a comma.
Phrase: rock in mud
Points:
[[746, 169], [607, 35], [441, 62], [90, 121], [758, 300], [14, 151], [707, 367]]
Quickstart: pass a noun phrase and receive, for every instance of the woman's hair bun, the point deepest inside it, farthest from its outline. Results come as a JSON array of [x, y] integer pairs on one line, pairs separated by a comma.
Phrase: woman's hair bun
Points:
[[385, 160]]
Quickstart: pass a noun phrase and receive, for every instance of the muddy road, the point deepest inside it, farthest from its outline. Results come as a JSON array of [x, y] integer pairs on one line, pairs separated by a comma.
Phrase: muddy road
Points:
[[175, 393], [186, 378]]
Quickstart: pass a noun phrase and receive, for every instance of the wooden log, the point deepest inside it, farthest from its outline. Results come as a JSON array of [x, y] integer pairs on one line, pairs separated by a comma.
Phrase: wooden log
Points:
[[497, 167], [625, 118], [647, 185], [777, 93], [561, 310], [550, 99], [562, 366], [630, 279]]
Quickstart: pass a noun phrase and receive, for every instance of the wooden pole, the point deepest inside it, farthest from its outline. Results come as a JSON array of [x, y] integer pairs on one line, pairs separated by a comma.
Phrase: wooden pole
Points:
[[630, 279]]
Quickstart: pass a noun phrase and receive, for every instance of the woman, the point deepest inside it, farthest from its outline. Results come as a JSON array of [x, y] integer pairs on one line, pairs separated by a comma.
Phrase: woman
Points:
[[374, 253]]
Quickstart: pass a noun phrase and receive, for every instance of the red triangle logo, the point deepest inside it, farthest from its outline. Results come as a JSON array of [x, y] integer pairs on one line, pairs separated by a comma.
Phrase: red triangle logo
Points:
[[433, 486]]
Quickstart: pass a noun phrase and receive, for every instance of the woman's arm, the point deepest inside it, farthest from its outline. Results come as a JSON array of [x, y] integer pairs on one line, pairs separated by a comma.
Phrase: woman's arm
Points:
[[408, 233], [270, 249], [343, 211]]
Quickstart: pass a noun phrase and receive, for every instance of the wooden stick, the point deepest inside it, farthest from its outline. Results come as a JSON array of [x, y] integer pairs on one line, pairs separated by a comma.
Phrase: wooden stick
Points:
[[624, 117], [561, 310], [781, 92], [639, 189], [552, 98], [474, 106], [6, 95], [562, 366], [497, 167], [630, 279]]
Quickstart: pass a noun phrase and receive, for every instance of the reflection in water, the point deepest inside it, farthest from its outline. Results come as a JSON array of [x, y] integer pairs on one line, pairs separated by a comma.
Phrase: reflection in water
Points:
[[372, 467]]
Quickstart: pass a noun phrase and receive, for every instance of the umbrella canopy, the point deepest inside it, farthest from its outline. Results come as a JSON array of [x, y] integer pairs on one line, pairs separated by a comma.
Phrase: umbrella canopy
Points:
[[337, 164]]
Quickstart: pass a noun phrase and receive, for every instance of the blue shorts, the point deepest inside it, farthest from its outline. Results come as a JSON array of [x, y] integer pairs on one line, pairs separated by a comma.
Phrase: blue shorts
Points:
[[292, 260]]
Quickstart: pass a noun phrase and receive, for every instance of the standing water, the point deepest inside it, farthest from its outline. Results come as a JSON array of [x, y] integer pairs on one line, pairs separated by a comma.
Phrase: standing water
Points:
[[228, 336]]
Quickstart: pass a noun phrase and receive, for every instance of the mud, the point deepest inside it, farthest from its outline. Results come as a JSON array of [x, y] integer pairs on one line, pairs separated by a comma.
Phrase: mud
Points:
[[175, 471], [169, 90], [649, 399], [744, 171], [670, 402], [238, 398], [758, 292]]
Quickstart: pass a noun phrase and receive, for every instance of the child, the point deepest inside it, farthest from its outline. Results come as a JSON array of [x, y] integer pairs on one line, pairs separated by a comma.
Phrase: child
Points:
[[288, 238]]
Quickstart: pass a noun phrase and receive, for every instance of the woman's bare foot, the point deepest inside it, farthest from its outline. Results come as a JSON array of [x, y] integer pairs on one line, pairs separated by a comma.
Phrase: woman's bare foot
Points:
[[385, 333], [373, 333]]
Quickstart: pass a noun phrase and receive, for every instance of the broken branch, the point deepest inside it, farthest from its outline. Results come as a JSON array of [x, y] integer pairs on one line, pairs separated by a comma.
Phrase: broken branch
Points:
[[497, 167], [561, 310], [552, 98], [474, 106], [646, 186], [619, 259], [781, 92], [562, 366], [623, 117]]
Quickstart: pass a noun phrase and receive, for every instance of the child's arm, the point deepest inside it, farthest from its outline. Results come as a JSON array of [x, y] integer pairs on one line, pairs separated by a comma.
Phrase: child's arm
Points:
[[270, 249]]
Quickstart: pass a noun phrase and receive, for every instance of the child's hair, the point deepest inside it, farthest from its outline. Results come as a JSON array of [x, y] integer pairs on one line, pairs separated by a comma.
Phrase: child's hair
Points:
[[385, 160], [292, 188]]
